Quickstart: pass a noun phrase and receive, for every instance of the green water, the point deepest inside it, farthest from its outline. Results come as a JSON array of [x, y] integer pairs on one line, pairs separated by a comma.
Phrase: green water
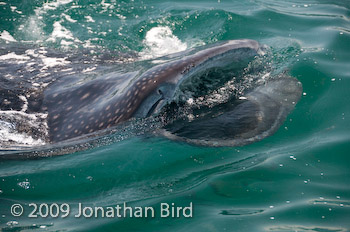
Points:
[[295, 180]]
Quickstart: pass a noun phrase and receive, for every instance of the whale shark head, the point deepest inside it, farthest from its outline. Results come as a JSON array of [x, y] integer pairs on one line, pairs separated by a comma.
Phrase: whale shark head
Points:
[[250, 117], [166, 78]]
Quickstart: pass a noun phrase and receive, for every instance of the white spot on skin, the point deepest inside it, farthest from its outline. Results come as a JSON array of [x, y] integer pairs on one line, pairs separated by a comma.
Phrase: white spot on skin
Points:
[[85, 96], [117, 120]]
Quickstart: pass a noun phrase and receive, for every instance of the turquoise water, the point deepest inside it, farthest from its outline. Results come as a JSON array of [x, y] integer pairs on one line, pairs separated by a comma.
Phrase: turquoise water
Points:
[[295, 180]]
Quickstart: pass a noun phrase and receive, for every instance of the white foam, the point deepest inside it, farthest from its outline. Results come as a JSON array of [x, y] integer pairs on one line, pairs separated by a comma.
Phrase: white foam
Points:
[[62, 35], [87, 43], [161, 41], [34, 25], [25, 103], [266, 75], [9, 135], [14, 9], [24, 184], [33, 28], [53, 5], [217, 96], [122, 17], [105, 6], [52, 61], [88, 70], [31, 52], [60, 32], [5, 35], [20, 139], [68, 18], [66, 43], [19, 59], [29, 116], [89, 19], [48, 62]]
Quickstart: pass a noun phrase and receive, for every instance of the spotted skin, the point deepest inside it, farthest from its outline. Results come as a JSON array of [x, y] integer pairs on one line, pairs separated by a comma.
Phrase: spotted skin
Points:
[[75, 110]]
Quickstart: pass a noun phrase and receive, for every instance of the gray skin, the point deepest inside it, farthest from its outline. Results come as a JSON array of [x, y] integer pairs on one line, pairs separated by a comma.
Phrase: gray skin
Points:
[[105, 102]]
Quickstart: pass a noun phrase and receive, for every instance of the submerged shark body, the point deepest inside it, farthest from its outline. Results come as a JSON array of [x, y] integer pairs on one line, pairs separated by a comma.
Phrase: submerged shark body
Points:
[[71, 112]]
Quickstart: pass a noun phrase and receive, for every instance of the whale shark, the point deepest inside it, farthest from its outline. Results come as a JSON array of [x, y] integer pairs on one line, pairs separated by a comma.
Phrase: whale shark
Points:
[[168, 89], [72, 112]]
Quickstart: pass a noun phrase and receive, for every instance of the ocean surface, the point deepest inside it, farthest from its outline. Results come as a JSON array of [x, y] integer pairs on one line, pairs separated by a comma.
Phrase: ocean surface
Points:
[[298, 179]]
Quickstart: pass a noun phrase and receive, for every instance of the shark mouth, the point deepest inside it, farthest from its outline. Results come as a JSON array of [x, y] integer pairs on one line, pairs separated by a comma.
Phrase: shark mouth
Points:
[[228, 106]]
